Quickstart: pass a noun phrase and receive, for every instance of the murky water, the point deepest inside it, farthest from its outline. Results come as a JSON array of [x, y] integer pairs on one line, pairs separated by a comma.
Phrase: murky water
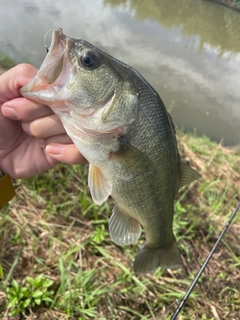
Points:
[[188, 50]]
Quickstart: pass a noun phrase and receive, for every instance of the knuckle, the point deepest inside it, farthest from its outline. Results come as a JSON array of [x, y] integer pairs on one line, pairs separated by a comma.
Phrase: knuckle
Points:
[[25, 68], [35, 129]]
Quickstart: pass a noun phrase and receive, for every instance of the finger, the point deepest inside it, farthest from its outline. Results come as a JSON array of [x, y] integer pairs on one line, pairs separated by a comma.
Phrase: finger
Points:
[[24, 109], [44, 127], [67, 153], [14, 79], [62, 139]]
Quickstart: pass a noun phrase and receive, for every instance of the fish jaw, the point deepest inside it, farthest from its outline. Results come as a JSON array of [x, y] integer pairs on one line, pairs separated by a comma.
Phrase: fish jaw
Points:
[[53, 74], [96, 102], [39, 91]]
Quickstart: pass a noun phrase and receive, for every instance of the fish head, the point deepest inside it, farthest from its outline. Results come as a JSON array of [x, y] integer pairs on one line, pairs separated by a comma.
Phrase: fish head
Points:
[[79, 80]]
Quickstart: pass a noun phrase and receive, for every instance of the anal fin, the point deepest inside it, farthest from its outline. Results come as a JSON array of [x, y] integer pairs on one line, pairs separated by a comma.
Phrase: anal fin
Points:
[[123, 229], [100, 187]]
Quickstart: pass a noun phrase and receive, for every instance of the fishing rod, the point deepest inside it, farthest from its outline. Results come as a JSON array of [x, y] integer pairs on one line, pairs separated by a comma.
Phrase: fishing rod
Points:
[[182, 303]]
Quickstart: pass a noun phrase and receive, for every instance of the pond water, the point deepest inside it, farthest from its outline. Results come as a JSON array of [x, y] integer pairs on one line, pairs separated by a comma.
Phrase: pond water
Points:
[[188, 50]]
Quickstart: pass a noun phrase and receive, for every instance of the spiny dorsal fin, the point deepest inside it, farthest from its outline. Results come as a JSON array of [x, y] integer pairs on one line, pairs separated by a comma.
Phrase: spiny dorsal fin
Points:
[[187, 174], [100, 187]]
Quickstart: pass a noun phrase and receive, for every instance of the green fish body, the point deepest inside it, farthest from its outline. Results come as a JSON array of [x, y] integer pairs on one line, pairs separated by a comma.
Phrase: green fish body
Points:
[[121, 126]]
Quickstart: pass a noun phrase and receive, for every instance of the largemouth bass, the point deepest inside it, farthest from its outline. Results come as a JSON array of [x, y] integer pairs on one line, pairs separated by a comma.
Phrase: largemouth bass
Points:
[[121, 126]]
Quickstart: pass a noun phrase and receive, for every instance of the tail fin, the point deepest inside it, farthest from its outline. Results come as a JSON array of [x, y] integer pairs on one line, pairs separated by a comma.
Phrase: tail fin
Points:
[[149, 259]]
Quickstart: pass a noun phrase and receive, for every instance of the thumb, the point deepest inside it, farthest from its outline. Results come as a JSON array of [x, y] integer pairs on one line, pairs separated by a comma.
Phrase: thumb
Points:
[[14, 79]]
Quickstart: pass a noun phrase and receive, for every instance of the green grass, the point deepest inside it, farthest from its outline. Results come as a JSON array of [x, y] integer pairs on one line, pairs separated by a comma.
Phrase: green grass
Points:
[[237, 3], [52, 230], [6, 62]]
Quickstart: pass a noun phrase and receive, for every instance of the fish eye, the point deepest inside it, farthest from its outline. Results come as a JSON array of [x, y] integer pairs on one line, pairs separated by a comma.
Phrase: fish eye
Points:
[[89, 60]]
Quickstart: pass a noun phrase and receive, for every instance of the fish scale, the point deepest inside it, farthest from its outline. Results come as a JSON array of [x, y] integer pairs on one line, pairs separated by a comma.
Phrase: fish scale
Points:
[[121, 126], [161, 174]]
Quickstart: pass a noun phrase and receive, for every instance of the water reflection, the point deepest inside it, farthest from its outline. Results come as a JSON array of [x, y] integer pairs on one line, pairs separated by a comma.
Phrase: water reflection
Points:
[[217, 26], [188, 50]]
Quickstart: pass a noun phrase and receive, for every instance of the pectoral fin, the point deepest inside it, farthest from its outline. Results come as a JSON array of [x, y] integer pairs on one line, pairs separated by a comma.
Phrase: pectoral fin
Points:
[[123, 229], [100, 187], [187, 175]]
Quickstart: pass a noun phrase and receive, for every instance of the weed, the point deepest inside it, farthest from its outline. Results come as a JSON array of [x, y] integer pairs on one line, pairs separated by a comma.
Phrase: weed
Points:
[[237, 2], [30, 293], [6, 62], [99, 235]]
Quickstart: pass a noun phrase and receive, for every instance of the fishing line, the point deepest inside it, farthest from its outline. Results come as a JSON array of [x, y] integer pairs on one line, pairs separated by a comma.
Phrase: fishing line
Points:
[[181, 304], [44, 40]]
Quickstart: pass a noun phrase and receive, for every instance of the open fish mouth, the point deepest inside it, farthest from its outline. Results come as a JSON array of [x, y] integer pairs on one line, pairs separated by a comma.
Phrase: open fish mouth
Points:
[[53, 63], [58, 41], [54, 68]]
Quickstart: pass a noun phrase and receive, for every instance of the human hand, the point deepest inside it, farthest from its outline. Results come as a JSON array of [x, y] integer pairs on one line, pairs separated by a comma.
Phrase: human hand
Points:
[[32, 138]]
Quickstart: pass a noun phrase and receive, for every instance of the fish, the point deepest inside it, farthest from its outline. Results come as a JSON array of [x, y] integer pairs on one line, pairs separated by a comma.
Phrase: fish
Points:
[[120, 125]]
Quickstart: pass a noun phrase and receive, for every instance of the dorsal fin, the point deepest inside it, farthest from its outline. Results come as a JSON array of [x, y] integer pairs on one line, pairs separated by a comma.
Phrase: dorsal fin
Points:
[[187, 174]]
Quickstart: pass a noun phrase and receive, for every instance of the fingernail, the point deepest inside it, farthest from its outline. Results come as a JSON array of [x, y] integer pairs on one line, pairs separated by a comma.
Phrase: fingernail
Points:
[[9, 112], [54, 149]]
